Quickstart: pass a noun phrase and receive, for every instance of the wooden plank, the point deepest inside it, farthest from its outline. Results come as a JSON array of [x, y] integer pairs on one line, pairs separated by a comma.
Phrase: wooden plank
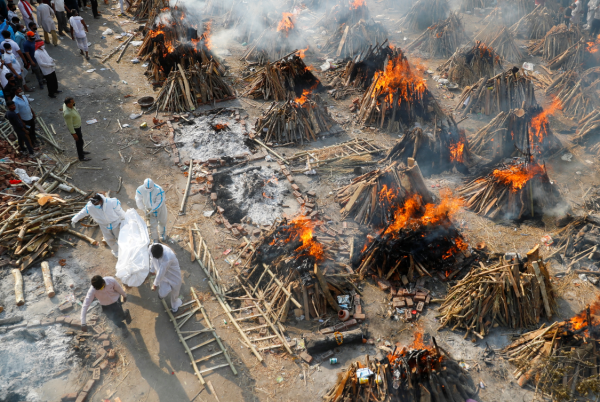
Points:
[[332, 302], [191, 235], [542, 283]]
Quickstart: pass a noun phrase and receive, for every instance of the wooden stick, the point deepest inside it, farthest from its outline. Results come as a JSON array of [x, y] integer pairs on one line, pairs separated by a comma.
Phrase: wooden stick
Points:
[[192, 253], [18, 287], [187, 189], [332, 302], [47, 279]]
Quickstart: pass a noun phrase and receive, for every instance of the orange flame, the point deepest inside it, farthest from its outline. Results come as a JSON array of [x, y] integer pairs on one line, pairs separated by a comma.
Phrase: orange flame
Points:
[[457, 152], [286, 24], [399, 77], [357, 3], [593, 47], [302, 52], [305, 94], [539, 126], [516, 176], [206, 35], [301, 228], [580, 320]]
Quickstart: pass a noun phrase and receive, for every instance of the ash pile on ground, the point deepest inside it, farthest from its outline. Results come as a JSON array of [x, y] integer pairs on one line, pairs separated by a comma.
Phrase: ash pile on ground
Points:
[[205, 139], [256, 193], [30, 358]]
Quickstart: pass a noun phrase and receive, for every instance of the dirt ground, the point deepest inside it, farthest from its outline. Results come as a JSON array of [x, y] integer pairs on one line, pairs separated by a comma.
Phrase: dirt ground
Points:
[[153, 364]]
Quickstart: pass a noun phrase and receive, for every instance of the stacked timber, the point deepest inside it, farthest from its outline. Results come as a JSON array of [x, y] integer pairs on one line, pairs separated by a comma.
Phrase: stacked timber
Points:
[[425, 13], [441, 39], [349, 41], [555, 42], [534, 25], [577, 93], [499, 38], [469, 64]]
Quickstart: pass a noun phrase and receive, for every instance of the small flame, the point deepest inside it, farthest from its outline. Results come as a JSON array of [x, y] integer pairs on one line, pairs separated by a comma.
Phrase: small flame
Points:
[[206, 35], [357, 4], [593, 47], [516, 176], [302, 52], [539, 126], [286, 24], [457, 152]]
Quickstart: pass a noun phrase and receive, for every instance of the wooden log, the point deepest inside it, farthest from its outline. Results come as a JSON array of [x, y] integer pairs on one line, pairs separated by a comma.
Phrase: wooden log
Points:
[[47, 279], [321, 343], [18, 287], [542, 283], [418, 182], [332, 302]]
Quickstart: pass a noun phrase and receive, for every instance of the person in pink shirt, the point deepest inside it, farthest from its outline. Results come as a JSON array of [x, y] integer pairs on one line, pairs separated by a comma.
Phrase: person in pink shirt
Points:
[[108, 292]]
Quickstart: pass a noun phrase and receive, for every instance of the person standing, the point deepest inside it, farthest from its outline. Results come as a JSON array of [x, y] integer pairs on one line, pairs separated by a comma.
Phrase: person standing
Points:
[[73, 121], [168, 274], [10, 88], [108, 292], [26, 12], [12, 11], [78, 30], [14, 66], [16, 49], [20, 39], [71, 5], [595, 27], [109, 215], [15, 121], [150, 198], [29, 53], [48, 66], [60, 9], [45, 19], [27, 115]]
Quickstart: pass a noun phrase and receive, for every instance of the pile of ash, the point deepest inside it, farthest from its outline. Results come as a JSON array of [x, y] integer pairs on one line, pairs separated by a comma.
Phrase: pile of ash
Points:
[[256, 193], [212, 136]]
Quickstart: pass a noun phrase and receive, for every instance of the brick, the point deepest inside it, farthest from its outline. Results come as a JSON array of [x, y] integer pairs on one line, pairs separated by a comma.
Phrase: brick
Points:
[[398, 304], [310, 205], [297, 194], [409, 302], [60, 319], [420, 306], [66, 307], [96, 374], [75, 323], [106, 344], [420, 297], [213, 196], [112, 354], [383, 284], [358, 309], [404, 280], [67, 321], [88, 386], [103, 364], [408, 315], [306, 357], [295, 187], [312, 193], [213, 160], [290, 179], [69, 397], [103, 337], [220, 210], [82, 397], [210, 178], [256, 232], [428, 299], [48, 321], [227, 224], [300, 201], [358, 316], [235, 232], [314, 214]]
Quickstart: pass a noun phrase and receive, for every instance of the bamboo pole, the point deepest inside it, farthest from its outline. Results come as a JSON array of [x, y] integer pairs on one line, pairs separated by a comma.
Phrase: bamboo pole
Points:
[[18, 287], [47, 279]]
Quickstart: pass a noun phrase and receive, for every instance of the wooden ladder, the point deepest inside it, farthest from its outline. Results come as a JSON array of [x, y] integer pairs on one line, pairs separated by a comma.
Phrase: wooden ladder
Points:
[[180, 320], [5, 130]]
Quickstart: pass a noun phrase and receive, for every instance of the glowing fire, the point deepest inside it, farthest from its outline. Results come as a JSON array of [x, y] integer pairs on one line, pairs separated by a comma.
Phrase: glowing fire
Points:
[[539, 126], [580, 320], [302, 52], [457, 152], [286, 24], [206, 35], [516, 176], [399, 77], [593, 47], [357, 3], [301, 228], [303, 98]]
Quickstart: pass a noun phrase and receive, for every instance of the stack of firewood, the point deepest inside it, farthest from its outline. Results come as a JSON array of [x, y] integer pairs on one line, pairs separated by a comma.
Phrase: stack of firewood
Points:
[[534, 25], [441, 39], [513, 293], [425, 13], [588, 130], [517, 132], [397, 97], [142, 9], [499, 38], [559, 359], [349, 41], [577, 93], [410, 374], [344, 12], [570, 59], [511, 191], [359, 72], [578, 242], [502, 93], [282, 80], [185, 90], [555, 42], [468, 65], [298, 121]]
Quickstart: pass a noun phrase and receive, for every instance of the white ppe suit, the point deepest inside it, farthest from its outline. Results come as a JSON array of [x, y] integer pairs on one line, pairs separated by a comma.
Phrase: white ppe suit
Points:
[[150, 198], [109, 216], [168, 275]]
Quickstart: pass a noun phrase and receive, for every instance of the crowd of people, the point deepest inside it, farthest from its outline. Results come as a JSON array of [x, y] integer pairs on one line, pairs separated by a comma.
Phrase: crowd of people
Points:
[[583, 13], [23, 52]]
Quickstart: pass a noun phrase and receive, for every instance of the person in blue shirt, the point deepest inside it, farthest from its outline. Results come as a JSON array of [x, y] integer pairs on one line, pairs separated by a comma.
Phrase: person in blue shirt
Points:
[[15, 121], [6, 26], [27, 114]]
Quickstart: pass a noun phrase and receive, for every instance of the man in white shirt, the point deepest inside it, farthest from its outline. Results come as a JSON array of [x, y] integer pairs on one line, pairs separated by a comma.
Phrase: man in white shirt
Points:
[[45, 19], [26, 12], [61, 16], [10, 60], [168, 275], [108, 292], [78, 30]]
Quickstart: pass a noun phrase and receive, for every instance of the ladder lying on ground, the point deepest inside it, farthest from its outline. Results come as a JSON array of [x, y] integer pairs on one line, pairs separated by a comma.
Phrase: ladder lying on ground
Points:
[[185, 317]]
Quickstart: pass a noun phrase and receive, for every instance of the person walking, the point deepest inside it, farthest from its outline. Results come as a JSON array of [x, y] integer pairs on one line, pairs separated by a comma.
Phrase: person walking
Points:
[[27, 115], [15, 121], [26, 12], [48, 66], [109, 215], [150, 198], [61, 10], [109, 293], [78, 30], [73, 121], [29, 53], [168, 274], [45, 19]]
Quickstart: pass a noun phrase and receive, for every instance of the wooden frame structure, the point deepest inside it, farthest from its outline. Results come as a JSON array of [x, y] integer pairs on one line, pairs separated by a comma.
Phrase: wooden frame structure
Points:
[[355, 147]]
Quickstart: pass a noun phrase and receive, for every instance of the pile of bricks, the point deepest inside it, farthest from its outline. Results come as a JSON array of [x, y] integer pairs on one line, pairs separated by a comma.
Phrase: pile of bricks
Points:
[[306, 200], [411, 301]]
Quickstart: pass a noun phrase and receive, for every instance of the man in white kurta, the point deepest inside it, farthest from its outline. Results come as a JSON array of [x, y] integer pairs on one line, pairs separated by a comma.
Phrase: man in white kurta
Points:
[[168, 275], [109, 215], [45, 19], [26, 12], [150, 198]]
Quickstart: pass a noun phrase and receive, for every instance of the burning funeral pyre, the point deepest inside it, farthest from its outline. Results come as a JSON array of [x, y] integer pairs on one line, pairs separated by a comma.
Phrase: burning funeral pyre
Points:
[[556, 41], [441, 150], [502, 93], [425, 13], [410, 374], [273, 44], [352, 40], [561, 359], [298, 121], [468, 65], [283, 80], [514, 293], [517, 133], [346, 13], [499, 38], [397, 97], [577, 94], [441, 39], [581, 54], [534, 25], [516, 190]]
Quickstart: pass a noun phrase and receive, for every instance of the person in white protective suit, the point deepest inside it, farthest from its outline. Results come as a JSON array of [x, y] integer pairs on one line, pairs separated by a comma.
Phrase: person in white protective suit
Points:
[[150, 198], [168, 275], [109, 215]]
